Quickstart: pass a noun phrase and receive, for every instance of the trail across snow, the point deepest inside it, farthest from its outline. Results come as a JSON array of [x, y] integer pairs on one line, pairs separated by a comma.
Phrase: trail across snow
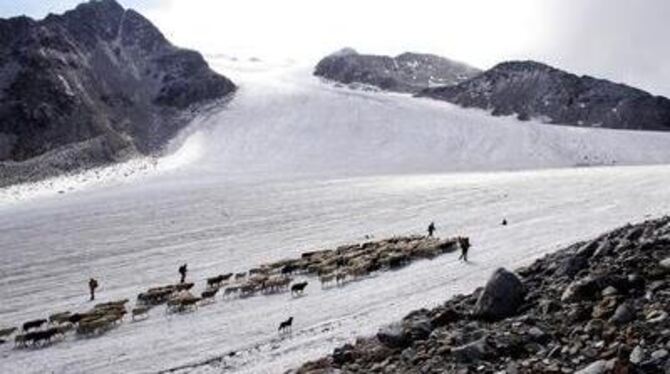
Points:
[[293, 164]]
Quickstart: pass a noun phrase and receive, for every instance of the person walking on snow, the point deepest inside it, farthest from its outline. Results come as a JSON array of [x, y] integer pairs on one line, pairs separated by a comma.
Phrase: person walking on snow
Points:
[[92, 285], [431, 229], [182, 272], [465, 245]]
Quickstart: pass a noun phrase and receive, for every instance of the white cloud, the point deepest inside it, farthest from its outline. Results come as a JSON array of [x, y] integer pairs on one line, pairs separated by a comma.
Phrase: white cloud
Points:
[[622, 40], [481, 32]]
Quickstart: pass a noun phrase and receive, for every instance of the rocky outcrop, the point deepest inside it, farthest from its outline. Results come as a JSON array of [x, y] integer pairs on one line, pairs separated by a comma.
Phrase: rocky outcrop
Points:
[[92, 86], [408, 72], [530, 89], [608, 314]]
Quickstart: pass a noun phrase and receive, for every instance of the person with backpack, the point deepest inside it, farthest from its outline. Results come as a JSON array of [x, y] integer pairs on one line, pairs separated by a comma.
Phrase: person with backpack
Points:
[[431, 229], [92, 285], [182, 272], [464, 243]]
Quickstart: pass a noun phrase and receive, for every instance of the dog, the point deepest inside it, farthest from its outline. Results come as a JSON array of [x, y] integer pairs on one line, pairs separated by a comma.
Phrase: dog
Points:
[[286, 326], [298, 288]]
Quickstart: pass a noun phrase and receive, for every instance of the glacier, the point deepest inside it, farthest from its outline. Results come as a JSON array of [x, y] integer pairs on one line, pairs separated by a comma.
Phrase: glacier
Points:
[[292, 164]]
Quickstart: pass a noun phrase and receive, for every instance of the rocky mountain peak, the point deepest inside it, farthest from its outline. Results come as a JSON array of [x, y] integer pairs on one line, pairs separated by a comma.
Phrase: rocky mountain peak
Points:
[[407, 72], [97, 83], [530, 89], [346, 51], [523, 66], [94, 19]]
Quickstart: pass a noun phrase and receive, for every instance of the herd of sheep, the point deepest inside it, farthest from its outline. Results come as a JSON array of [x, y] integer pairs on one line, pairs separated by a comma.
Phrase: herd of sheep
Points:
[[332, 266]]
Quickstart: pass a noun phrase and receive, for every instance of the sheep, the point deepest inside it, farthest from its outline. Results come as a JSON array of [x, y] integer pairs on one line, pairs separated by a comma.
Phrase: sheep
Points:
[[182, 302], [20, 340], [340, 277], [117, 304], [260, 270], [64, 328], [140, 311], [7, 332], [59, 318], [398, 260], [183, 286], [248, 289], [36, 337], [276, 284], [230, 291], [325, 279], [34, 324], [96, 326], [289, 268], [357, 271], [215, 282], [208, 295]]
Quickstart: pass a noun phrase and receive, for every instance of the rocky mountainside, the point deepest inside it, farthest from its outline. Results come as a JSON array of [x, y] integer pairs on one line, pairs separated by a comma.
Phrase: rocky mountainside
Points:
[[408, 72], [595, 307], [94, 85], [533, 90]]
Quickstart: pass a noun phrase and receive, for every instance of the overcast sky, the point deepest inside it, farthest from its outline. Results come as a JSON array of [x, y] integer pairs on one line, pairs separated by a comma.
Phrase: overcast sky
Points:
[[622, 40]]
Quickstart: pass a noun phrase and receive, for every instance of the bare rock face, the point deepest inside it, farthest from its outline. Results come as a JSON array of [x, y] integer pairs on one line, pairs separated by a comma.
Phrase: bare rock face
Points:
[[531, 89], [92, 86], [408, 72]]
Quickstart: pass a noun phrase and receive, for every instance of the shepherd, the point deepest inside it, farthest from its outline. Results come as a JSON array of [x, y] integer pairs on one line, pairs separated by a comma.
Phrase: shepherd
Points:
[[182, 272], [464, 243], [92, 285], [431, 229]]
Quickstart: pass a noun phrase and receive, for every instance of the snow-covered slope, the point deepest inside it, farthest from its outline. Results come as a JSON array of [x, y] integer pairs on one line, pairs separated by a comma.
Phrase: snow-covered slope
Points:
[[284, 122], [240, 202], [293, 123], [132, 237]]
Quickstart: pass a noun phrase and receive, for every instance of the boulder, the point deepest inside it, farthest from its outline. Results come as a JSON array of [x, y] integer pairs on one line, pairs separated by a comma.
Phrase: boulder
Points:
[[581, 289], [344, 354], [589, 287], [665, 264], [623, 314], [637, 355], [446, 317], [501, 297], [572, 265], [471, 352], [393, 336], [659, 354], [597, 367]]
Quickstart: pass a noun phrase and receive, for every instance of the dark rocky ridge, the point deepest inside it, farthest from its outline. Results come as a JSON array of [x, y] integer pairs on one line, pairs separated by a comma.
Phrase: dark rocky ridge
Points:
[[533, 90], [94, 85], [408, 72], [595, 307]]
